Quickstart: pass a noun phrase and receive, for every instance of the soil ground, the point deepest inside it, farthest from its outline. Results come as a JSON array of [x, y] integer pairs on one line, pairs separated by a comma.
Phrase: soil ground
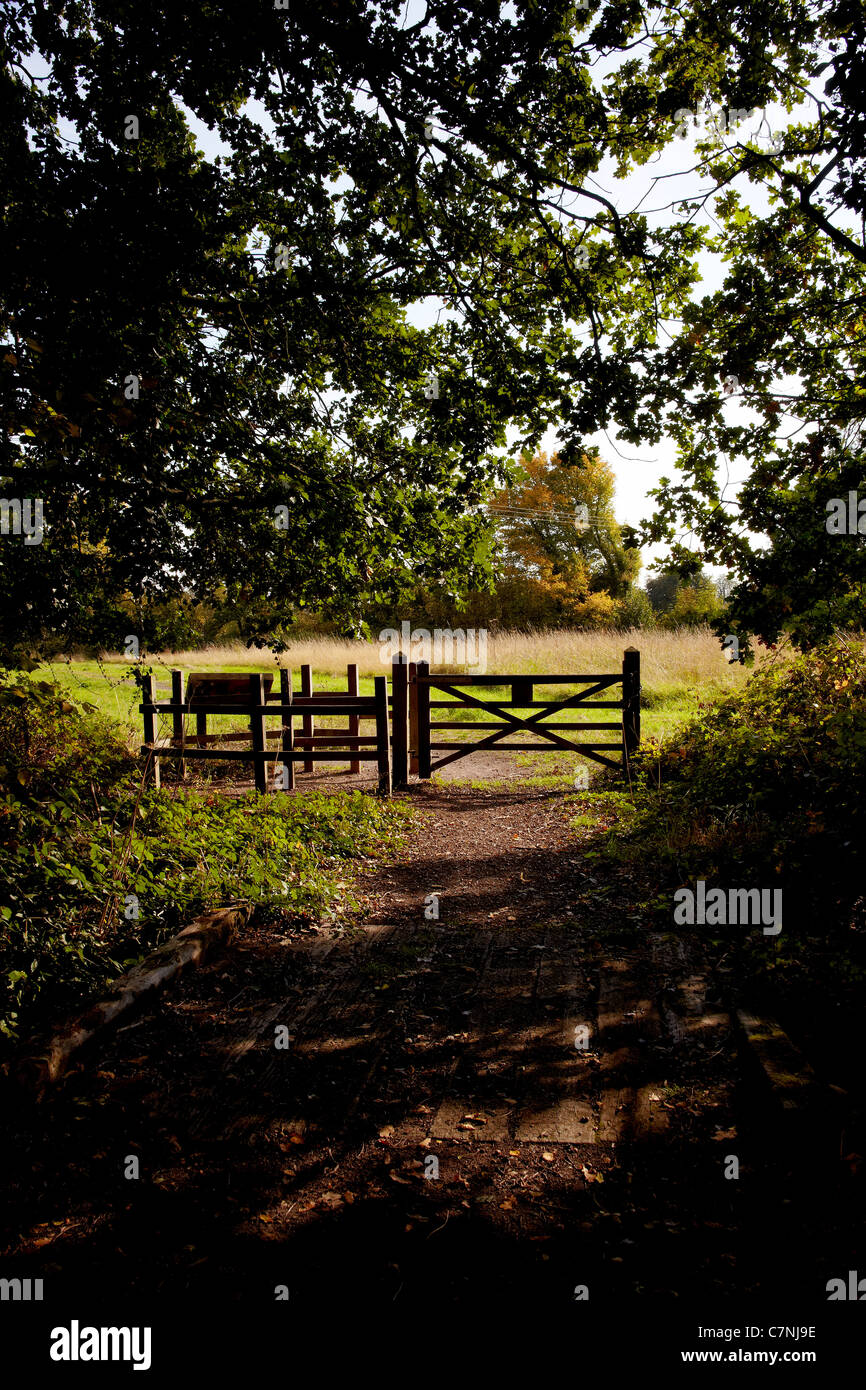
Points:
[[527, 1096]]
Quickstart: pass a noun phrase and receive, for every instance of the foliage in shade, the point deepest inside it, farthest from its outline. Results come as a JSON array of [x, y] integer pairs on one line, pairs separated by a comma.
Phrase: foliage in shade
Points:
[[262, 298], [767, 787], [78, 834]]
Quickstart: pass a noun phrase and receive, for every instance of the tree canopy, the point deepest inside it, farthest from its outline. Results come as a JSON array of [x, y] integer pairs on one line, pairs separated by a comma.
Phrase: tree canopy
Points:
[[783, 338], [213, 368]]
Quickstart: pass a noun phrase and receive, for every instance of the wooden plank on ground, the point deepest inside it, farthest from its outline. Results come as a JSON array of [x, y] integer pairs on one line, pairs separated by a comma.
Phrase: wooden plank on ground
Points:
[[625, 1015], [214, 1112], [650, 1116], [791, 1077], [569, 1121], [504, 975], [555, 1108], [617, 1097], [458, 1118], [695, 1015]]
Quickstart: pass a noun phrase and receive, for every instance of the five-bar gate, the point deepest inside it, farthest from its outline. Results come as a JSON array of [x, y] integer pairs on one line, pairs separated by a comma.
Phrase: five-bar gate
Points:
[[414, 736]]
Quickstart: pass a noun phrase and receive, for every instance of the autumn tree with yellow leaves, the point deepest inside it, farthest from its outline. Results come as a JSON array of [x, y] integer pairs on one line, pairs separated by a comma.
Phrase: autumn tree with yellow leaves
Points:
[[560, 555]]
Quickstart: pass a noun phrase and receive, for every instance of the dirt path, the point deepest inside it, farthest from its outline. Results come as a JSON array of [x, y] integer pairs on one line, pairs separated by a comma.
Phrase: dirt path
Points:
[[523, 1096]]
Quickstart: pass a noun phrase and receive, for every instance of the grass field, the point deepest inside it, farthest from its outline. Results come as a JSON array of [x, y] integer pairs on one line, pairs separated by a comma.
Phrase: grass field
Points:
[[678, 669]]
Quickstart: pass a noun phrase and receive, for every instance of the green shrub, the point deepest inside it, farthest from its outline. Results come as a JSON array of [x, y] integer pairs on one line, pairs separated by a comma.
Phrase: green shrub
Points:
[[788, 749], [767, 787], [635, 609], [98, 869]]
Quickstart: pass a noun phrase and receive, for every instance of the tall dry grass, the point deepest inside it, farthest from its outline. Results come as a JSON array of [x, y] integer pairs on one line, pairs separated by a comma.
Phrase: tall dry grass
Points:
[[685, 657]]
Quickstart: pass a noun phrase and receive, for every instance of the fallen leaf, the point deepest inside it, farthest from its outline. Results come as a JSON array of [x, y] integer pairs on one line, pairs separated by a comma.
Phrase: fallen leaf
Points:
[[591, 1177]]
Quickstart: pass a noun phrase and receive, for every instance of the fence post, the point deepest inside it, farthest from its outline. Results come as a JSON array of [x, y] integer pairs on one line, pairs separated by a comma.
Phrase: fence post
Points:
[[630, 703], [400, 721], [288, 740], [149, 698], [383, 741], [354, 719], [308, 725], [413, 719], [422, 705], [178, 720], [257, 731]]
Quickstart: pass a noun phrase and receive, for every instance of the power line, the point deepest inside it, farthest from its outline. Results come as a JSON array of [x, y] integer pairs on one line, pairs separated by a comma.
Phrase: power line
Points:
[[545, 513]]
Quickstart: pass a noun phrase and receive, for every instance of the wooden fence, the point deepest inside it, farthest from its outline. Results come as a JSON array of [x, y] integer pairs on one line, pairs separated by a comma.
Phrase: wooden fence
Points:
[[219, 695], [405, 744]]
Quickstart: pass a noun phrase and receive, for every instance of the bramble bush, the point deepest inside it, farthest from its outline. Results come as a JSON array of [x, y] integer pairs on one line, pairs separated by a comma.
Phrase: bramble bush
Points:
[[767, 787], [778, 768], [84, 846]]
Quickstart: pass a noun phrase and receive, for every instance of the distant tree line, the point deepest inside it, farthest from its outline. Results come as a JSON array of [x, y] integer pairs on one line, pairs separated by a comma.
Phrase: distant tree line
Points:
[[558, 558]]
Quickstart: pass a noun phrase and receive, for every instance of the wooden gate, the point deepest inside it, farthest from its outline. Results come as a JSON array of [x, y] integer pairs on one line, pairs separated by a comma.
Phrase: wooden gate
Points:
[[414, 739]]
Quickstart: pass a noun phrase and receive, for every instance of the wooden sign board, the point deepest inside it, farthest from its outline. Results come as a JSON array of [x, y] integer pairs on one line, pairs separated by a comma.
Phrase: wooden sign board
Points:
[[218, 688]]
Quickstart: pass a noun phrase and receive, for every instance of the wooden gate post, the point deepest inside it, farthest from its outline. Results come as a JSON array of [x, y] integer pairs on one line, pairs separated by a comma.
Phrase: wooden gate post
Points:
[[413, 719], [400, 720], [354, 720], [423, 708], [177, 720], [148, 691], [383, 740], [200, 727], [630, 703], [257, 731], [308, 722], [287, 743]]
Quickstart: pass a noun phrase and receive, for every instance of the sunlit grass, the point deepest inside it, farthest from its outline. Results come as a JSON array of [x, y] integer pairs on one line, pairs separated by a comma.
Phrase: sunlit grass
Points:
[[678, 669]]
